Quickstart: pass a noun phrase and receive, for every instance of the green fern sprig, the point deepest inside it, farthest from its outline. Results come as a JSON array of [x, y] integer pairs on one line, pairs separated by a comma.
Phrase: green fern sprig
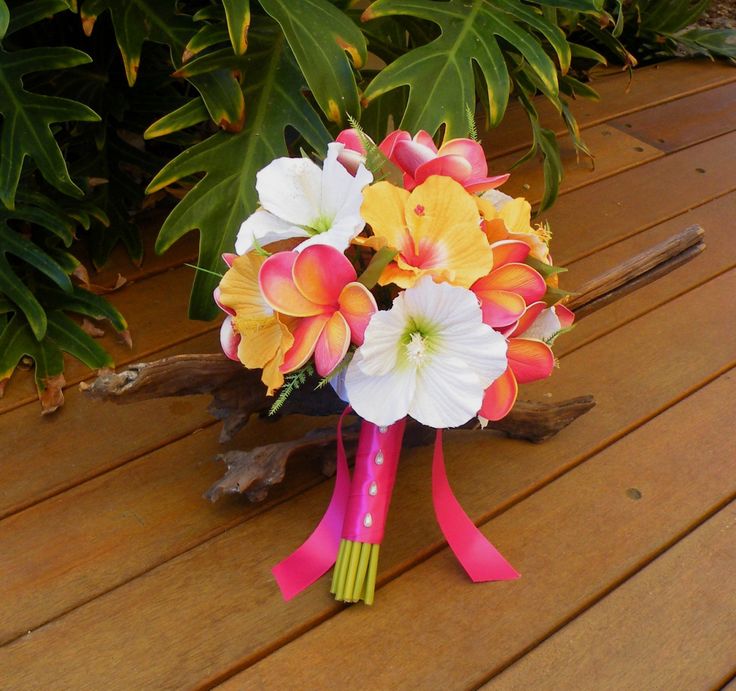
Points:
[[335, 372], [472, 128], [292, 382]]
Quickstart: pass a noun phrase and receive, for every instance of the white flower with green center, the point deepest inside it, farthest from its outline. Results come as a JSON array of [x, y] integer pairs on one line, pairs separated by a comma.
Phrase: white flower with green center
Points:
[[430, 356], [301, 200]]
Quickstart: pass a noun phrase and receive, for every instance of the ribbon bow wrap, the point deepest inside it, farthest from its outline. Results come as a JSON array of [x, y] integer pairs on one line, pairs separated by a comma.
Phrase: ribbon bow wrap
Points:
[[357, 513]]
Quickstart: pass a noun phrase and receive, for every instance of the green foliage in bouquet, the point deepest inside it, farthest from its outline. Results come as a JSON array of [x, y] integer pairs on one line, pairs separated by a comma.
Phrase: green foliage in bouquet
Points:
[[106, 101]]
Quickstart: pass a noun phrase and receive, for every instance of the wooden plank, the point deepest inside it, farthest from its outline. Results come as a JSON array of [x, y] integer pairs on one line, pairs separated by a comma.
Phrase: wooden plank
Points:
[[614, 151], [677, 124], [87, 438], [573, 541], [670, 626], [720, 255], [177, 471], [156, 311], [649, 86], [228, 579], [67, 550], [586, 220]]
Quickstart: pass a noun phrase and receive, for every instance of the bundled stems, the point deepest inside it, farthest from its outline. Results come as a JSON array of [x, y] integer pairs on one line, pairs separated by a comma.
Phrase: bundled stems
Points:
[[376, 462]]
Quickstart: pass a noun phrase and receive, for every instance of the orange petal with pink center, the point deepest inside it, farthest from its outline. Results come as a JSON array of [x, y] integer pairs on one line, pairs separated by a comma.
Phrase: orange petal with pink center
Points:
[[306, 335], [528, 318], [444, 224], [530, 360], [509, 252], [332, 345], [499, 397], [357, 305], [279, 290], [515, 278], [500, 307], [320, 272]]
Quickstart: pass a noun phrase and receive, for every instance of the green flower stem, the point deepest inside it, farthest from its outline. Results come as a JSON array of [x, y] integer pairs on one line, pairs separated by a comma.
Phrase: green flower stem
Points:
[[354, 577]]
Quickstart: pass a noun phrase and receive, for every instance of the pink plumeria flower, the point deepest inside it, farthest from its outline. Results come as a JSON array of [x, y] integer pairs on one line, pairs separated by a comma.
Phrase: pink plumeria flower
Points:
[[510, 287], [461, 159], [318, 285]]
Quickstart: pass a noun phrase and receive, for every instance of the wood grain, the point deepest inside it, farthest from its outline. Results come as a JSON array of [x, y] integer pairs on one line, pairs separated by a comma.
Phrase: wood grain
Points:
[[573, 541], [227, 580], [589, 219], [87, 438], [649, 87], [189, 471], [672, 624], [677, 124], [614, 151]]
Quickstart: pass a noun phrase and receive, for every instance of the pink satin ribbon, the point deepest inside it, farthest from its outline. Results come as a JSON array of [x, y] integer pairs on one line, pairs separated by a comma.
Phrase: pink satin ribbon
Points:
[[319, 552], [381, 475], [480, 559]]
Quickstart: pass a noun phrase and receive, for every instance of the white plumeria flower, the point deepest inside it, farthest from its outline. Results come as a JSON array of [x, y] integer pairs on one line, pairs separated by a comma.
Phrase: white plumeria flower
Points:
[[301, 200], [430, 356]]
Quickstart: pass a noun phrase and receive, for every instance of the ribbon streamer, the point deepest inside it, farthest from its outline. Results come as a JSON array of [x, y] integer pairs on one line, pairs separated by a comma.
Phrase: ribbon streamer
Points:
[[480, 559], [319, 552]]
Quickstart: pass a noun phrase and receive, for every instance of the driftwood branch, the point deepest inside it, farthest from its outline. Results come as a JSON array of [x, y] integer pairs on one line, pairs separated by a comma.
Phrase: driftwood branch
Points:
[[237, 393]]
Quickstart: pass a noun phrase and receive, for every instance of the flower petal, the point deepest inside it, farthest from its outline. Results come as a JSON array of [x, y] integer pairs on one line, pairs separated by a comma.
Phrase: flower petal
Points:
[[332, 344], [351, 140], [320, 272], [383, 208], [508, 252], [565, 315], [409, 155], [306, 335], [261, 344], [528, 318], [217, 296], [262, 228], [476, 185], [278, 288], [517, 215], [425, 139], [357, 305], [444, 226], [454, 167], [380, 399], [341, 193], [239, 294], [228, 258], [290, 188], [515, 278], [229, 339], [500, 307], [469, 150], [499, 397], [448, 393], [530, 360], [389, 143]]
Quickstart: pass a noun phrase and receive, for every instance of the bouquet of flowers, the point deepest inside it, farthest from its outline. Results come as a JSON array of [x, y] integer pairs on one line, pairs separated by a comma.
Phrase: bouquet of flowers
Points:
[[398, 274]]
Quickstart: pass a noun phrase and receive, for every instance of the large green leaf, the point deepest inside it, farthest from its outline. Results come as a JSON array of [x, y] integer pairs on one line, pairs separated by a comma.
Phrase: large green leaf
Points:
[[238, 21], [27, 119], [225, 196], [440, 75], [320, 35], [136, 21]]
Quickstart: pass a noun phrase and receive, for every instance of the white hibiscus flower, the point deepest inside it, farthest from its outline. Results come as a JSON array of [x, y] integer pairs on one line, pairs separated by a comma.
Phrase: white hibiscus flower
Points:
[[430, 356], [301, 200]]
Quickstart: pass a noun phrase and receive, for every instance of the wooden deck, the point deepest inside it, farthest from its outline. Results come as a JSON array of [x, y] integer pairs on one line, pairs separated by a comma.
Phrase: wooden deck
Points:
[[116, 574]]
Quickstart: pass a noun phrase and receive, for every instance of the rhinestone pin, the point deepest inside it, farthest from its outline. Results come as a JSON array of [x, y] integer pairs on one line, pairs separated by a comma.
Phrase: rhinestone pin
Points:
[[383, 429], [368, 520], [373, 489], [379, 458]]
